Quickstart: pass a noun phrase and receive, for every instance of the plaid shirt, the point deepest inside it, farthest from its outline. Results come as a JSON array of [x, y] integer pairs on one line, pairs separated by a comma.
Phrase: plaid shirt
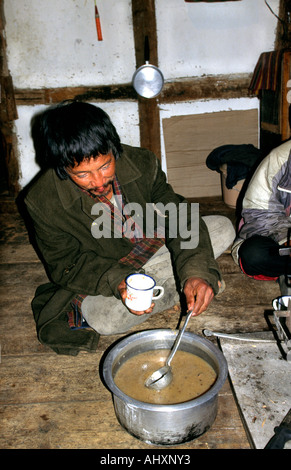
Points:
[[143, 249]]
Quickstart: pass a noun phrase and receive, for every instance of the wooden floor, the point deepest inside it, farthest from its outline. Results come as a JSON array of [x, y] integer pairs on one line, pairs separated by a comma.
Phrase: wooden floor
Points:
[[59, 402]]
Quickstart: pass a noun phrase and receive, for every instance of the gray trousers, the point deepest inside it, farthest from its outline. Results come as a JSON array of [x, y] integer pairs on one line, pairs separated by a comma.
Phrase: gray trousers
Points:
[[108, 315]]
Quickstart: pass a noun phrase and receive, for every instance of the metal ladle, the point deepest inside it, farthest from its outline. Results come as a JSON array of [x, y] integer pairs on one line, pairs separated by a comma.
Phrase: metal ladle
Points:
[[162, 377]]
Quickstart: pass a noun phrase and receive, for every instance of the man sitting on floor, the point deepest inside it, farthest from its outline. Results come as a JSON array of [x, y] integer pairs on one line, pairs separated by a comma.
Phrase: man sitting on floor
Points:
[[87, 165]]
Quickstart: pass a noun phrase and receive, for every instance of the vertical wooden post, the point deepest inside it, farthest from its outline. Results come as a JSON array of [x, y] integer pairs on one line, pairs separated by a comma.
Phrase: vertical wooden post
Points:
[[8, 113], [144, 24], [284, 108]]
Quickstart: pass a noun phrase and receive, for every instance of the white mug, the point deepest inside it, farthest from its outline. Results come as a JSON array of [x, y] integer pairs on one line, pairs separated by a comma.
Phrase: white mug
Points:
[[140, 291]]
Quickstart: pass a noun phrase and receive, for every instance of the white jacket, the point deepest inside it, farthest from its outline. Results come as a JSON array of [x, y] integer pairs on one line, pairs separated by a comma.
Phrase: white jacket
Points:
[[267, 201]]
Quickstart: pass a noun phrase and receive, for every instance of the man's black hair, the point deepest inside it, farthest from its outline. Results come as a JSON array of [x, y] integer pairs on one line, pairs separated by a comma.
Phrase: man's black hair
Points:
[[71, 132]]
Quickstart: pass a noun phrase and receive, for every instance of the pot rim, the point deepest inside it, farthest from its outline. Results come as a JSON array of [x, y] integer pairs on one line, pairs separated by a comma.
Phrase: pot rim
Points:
[[195, 402]]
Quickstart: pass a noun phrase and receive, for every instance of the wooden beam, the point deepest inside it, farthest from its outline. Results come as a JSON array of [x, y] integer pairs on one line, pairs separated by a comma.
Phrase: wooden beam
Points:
[[8, 113], [186, 89], [28, 96], [283, 33], [207, 87], [284, 115], [144, 24]]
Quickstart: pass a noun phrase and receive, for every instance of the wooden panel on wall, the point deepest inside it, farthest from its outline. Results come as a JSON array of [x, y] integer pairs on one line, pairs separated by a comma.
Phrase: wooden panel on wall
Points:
[[189, 140]]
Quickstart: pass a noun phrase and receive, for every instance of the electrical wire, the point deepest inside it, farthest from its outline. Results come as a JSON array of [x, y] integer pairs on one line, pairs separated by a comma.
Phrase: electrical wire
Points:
[[284, 24], [272, 11]]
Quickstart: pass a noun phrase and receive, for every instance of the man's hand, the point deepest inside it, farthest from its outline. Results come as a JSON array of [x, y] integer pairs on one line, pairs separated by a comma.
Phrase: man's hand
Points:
[[122, 291], [198, 295]]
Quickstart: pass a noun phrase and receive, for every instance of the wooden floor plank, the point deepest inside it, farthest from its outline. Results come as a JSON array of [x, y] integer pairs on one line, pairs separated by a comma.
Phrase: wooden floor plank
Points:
[[88, 424], [15, 253]]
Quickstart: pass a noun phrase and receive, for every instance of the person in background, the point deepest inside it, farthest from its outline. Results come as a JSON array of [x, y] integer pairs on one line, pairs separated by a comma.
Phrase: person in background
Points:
[[86, 164], [265, 220]]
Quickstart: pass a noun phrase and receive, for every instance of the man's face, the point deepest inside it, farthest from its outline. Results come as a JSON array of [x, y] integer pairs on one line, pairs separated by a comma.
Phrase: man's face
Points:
[[95, 175]]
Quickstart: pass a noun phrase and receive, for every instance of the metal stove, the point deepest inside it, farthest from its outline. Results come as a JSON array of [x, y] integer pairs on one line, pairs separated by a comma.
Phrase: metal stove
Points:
[[282, 319]]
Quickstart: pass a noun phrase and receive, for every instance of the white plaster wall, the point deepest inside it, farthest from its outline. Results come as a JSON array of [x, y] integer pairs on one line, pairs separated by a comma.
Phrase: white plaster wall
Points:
[[54, 44], [213, 38]]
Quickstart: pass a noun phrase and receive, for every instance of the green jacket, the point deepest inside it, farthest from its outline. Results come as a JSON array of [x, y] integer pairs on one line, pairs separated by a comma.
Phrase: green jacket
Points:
[[76, 262]]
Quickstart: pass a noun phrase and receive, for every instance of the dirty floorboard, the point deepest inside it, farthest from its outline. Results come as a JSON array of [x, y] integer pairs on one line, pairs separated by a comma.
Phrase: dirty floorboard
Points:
[[59, 402]]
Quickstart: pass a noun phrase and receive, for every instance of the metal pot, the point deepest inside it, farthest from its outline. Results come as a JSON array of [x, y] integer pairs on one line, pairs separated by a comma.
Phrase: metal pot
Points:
[[148, 80], [165, 424]]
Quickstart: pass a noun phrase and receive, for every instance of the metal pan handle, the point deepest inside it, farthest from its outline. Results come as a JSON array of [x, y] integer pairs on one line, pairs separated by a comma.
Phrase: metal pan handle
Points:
[[146, 49]]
